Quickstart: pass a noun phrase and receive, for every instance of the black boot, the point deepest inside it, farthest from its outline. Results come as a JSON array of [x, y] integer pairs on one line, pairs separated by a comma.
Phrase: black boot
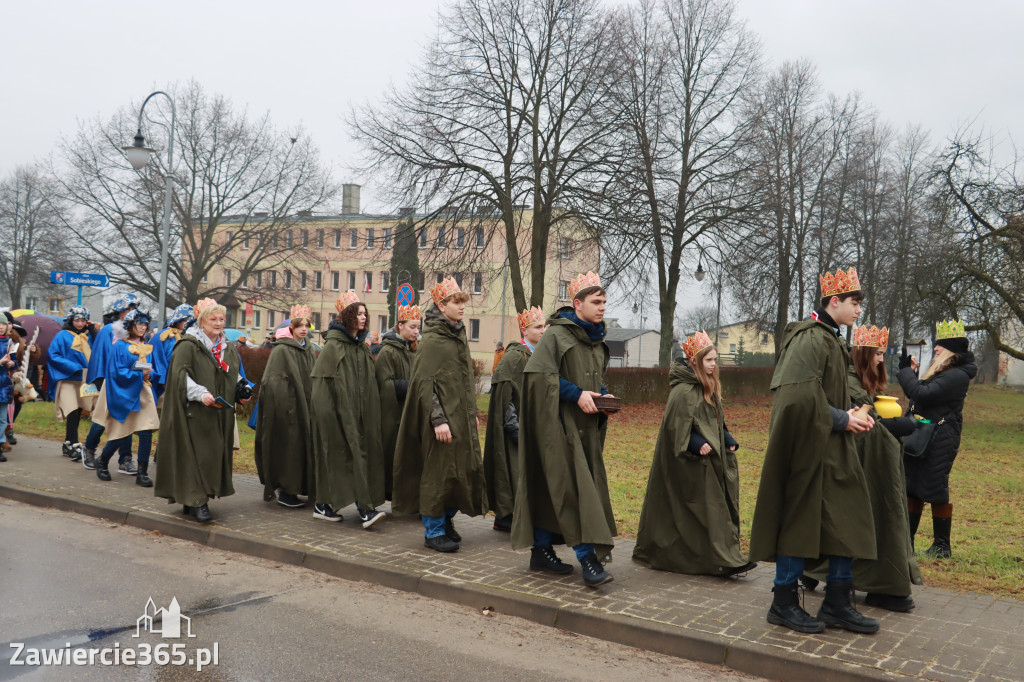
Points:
[[201, 514], [593, 572], [941, 548], [915, 521], [889, 602], [786, 611], [545, 559], [89, 461], [837, 611], [142, 476], [10, 436], [101, 466], [449, 530]]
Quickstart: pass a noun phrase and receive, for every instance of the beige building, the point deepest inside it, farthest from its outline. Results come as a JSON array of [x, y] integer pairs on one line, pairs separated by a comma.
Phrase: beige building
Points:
[[352, 252], [756, 338]]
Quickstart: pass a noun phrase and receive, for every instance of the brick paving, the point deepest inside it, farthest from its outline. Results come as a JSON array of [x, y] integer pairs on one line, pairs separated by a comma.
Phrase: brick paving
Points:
[[949, 636]]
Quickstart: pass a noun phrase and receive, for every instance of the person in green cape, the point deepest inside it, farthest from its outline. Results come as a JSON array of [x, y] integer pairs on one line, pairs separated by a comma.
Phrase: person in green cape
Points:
[[562, 495], [392, 366], [345, 413], [501, 444], [438, 468], [690, 521], [197, 422], [813, 500], [886, 579], [284, 447]]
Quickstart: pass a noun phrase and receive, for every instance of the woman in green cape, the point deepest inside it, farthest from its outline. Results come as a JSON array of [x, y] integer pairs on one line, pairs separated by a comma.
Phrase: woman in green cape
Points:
[[690, 522], [345, 412], [284, 452], [501, 444], [392, 366], [197, 423]]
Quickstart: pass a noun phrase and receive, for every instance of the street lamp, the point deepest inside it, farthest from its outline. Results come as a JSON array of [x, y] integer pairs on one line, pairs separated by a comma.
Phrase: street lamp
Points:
[[138, 156], [699, 276]]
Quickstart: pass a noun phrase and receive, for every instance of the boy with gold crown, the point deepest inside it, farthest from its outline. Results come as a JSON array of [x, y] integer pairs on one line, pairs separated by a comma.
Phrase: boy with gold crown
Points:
[[438, 468], [813, 500], [562, 496], [690, 522], [392, 366], [501, 445], [938, 396]]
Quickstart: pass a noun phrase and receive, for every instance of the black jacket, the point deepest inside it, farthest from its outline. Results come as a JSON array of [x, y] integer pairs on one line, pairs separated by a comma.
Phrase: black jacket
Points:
[[937, 398]]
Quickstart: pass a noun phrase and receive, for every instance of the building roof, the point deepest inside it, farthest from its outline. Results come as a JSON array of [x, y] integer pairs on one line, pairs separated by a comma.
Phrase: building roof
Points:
[[620, 334]]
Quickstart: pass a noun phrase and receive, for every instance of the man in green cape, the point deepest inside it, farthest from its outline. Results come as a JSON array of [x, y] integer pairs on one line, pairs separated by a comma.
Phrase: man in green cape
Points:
[[813, 500], [392, 367], [562, 494], [501, 444], [438, 468]]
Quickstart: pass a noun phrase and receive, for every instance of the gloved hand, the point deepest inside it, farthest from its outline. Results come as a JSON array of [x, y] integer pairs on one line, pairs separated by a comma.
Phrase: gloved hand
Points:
[[904, 359]]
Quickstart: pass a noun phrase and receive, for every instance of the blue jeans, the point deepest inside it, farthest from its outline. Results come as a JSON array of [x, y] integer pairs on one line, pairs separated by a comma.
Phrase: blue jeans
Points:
[[92, 441], [789, 568], [542, 537], [145, 443], [3, 422], [434, 525]]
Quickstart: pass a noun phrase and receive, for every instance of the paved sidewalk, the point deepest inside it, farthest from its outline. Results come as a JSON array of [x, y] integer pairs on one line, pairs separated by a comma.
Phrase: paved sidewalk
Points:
[[949, 636]]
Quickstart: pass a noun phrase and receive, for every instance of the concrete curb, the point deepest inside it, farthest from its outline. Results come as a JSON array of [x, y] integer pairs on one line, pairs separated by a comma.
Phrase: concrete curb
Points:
[[740, 655]]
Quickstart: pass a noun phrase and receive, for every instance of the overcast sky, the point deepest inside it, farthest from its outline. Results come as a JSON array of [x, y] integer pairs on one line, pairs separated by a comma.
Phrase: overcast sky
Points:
[[936, 62]]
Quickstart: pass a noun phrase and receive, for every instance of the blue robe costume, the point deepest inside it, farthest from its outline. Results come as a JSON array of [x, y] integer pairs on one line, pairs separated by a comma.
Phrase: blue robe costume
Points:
[[124, 384], [100, 350], [63, 363], [163, 345]]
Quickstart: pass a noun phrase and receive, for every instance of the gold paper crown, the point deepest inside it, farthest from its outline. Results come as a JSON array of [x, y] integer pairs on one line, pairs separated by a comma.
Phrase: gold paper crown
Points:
[[408, 312], [301, 311], [345, 300], [444, 289], [871, 338], [950, 329], [841, 283], [582, 282], [198, 307], [530, 317], [695, 344]]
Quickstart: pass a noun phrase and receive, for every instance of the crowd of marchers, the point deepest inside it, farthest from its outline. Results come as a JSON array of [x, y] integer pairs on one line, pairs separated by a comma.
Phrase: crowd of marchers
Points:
[[845, 478]]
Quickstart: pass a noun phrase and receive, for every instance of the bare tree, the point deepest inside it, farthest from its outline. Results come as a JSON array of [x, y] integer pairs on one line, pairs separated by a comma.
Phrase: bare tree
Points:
[[697, 319], [237, 181], [685, 66], [30, 230], [506, 119]]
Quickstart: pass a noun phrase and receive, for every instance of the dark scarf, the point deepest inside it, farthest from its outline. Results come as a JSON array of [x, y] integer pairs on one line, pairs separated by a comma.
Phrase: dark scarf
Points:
[[821, 316], [595, 330], [358, 338]]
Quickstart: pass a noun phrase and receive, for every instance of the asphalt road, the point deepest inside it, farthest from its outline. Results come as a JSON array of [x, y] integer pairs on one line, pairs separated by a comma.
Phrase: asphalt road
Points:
[[72, 583]]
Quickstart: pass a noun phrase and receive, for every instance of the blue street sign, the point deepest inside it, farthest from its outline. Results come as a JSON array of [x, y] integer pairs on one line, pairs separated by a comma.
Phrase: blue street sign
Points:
[[80, 279], [405, 295]]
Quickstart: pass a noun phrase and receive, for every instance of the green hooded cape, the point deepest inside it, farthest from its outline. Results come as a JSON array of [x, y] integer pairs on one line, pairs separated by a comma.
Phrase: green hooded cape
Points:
[[563, 486], [813, 499], [284, 452], [431, 476], [690, 522], [345, 413], [881, 456], [196, 442], [393, 363], [501, 453]]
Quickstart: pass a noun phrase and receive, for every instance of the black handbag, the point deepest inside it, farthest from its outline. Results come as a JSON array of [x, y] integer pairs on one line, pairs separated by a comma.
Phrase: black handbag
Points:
[[916, 444]]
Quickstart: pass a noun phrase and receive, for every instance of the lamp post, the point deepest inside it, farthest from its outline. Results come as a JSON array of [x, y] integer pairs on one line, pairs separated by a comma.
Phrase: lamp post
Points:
[[138, 156], [699, 275]]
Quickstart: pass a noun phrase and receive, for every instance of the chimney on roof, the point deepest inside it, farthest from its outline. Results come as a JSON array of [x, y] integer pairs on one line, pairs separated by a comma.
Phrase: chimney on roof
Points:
[[350, 199], [406, 212], [305, 214]]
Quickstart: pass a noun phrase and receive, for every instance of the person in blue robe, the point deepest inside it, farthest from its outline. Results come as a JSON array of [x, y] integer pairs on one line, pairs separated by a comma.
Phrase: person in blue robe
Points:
[[66, 365]]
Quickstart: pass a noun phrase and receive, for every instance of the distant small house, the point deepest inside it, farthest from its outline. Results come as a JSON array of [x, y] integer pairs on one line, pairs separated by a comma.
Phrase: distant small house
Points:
[[633, 347], [756, 338]]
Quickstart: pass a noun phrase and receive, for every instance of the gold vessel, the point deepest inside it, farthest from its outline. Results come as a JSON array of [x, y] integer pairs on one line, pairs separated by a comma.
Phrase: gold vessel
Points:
[[887, 407]]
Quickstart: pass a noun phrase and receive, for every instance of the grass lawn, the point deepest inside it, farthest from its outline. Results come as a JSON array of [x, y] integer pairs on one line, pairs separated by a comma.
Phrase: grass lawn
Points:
[[987, 482]]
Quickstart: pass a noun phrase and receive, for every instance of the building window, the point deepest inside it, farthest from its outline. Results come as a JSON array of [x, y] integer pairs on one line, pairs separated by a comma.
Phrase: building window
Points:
[[316, 320], [563, 290], [230, 236], [387, 237], [479, 237], [270, 319], [732, 347], [318, 280], [369, 238], [764, 339], [724, 335], [385, 282], [273, 279], [460, 237], [440, 277], [351, 281], [287, 279], [474, 330], [442, 237], [245, 243], [367, 282], [256, 319], [337, 239], [229, 318], [353, 239], [302, 279], [564, 247], [259, 279], [319, 239], [422, 279], [56, 305], [335, 280], [382, 324], [423, 238], [206, 277], [289, 241], [227, 278], [458, 279], [31, 302], [478, 282], [305, 239]]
